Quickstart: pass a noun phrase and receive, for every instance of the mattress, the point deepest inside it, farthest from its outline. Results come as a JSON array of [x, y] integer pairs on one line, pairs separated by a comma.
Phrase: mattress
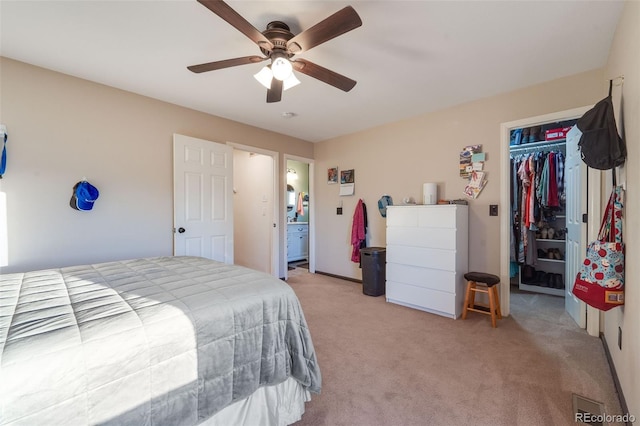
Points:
[[162, 341]]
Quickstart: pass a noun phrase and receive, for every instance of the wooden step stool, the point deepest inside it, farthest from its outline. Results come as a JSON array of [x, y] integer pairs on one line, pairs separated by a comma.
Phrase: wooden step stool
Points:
[[483, 283]]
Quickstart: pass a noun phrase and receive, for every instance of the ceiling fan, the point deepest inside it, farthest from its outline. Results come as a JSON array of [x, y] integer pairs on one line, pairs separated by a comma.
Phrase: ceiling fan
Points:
[[278, 44]]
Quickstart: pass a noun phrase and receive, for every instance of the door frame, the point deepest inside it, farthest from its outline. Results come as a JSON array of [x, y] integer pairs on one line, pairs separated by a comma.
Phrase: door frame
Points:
[[275, 241], [312, 210], [593, 204]]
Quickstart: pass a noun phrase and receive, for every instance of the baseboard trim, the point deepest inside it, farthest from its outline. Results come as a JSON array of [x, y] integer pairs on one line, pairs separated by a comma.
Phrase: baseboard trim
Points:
[[616, 382], [339, 276]]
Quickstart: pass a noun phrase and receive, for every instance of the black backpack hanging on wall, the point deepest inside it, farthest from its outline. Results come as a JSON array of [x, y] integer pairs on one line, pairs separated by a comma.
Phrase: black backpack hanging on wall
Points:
[[600, 145]]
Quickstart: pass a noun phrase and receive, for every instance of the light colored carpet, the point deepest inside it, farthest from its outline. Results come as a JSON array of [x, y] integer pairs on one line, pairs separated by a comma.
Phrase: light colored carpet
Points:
[[384, 364]]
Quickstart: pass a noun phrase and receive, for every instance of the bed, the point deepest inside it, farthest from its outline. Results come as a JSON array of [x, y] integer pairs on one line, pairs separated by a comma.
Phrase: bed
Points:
[[155, 341]]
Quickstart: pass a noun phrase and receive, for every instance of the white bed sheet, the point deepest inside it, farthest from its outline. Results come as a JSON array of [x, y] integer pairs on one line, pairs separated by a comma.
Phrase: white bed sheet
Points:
[[277, 405]]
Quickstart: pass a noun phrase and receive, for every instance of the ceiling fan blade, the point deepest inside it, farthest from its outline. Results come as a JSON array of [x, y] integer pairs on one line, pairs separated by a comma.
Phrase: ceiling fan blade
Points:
[[337, 24], [323, 74], [275, 93], [212, 66], [224, 11]]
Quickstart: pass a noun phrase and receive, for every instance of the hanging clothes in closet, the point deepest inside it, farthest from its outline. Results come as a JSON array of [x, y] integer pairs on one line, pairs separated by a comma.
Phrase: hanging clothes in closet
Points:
[[537, 192]]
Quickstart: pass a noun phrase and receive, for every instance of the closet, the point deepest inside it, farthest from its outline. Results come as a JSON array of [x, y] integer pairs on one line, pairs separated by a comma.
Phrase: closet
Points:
[[538, 208]]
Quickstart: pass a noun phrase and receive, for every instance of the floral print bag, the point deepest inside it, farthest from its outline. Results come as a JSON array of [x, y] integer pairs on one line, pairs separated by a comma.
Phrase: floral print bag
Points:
[[600, 280]]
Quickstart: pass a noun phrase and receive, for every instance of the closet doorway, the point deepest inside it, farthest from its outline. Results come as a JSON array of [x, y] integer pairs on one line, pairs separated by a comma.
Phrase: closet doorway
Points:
[[255, 208], [583, 194]]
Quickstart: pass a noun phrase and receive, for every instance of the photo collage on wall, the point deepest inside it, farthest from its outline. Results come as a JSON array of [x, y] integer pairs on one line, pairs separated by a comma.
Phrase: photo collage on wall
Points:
[[472, 168], [346, 178]]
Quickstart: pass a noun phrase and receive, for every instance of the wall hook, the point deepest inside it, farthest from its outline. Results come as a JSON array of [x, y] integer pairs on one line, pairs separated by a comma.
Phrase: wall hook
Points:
[[618, 81]]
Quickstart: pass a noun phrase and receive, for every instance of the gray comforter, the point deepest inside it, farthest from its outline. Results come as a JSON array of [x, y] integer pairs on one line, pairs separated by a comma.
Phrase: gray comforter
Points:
[[157, 341]]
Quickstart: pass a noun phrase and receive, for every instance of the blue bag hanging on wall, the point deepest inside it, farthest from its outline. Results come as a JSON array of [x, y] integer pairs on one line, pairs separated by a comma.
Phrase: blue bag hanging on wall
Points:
[[3, 161], [383, 202]]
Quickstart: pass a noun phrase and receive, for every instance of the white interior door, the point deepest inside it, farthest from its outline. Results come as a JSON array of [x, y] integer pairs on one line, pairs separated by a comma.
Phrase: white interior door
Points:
[[576, 191], [203, 198]]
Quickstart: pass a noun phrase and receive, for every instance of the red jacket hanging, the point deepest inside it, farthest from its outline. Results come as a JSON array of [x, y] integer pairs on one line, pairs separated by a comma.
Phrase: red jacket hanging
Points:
[[358, 231]]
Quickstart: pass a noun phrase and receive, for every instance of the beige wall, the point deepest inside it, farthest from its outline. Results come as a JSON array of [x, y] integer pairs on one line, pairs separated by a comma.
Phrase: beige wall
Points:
[[397, 159], [624, 59], [62, 129]]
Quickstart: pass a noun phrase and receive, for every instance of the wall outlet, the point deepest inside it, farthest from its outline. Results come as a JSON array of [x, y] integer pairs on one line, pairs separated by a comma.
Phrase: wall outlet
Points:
[[339, 210], [493, 210]]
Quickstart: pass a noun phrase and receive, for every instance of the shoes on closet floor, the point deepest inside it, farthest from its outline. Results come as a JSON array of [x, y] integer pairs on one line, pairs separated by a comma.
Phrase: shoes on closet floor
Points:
[[528, 274], [558, 281], [542, 279]]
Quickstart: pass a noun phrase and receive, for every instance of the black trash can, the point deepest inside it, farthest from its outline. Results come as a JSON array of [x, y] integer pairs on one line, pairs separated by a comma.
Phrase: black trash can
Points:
[[374, 267]]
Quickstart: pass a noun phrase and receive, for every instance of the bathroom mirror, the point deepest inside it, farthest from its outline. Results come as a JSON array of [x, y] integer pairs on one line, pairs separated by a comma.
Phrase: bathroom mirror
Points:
[[291, 197]]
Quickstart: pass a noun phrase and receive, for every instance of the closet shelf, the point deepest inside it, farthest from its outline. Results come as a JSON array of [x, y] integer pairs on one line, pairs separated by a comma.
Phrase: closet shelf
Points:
[[550, 240], [542, 259], [537, 145]]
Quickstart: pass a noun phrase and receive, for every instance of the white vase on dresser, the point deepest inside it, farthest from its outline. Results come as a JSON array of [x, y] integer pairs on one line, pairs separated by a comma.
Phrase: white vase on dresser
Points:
[[427, 257]]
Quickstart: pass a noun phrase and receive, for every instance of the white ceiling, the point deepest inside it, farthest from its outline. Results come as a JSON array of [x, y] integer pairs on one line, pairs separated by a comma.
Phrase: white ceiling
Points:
[[409, 57]]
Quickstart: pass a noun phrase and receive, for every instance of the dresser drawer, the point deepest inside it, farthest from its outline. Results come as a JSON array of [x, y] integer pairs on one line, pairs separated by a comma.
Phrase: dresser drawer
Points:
[[434, 279], [438, 238], [425, 257], [434, 301], [440, 216]]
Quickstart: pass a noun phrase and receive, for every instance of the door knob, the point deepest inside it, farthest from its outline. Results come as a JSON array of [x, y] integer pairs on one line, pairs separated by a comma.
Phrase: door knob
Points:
[[181, 230]]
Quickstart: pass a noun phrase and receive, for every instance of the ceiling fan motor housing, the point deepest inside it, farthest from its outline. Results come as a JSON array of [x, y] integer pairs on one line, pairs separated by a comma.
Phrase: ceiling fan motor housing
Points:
[[278, 34]]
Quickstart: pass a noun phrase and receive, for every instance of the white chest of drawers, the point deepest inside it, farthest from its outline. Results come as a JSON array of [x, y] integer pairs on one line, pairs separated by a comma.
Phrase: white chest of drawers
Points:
[[427, 257]]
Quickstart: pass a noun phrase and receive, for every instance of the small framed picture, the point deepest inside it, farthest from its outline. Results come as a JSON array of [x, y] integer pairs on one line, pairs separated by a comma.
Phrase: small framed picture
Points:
[[347, 176], [332, 175]]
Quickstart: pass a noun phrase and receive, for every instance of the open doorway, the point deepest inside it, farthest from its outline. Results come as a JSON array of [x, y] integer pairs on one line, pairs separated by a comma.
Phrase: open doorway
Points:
[[255, 204], [299, 234], [591, 193], [297, 214]]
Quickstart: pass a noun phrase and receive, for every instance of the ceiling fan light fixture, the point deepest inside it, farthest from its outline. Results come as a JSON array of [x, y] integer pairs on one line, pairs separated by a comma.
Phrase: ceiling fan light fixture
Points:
[[279, 45], [264, 77], [292, 174], [290, 82], [281, 66]]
